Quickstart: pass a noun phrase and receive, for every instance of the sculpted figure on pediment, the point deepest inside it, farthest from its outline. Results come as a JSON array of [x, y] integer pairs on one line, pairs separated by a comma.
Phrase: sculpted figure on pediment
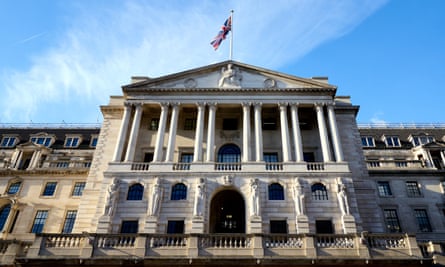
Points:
[[230, 76]]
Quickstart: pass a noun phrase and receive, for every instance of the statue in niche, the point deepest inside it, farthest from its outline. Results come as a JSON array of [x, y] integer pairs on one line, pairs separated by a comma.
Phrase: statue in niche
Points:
[[112, 197], [199, 198], [299, 198], [230, 76], [255, 199], [342, 197], [155, 197]]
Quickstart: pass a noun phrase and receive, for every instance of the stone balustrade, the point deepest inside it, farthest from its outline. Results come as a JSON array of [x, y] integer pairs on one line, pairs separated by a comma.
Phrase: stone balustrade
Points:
[[395, 164]]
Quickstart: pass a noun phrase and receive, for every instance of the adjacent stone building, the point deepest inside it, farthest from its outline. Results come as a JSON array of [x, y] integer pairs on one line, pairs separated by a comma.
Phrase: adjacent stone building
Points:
[[226, 164]]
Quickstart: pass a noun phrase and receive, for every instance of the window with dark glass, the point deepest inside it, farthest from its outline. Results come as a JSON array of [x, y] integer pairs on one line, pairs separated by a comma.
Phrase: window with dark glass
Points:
[[72, 141], [190, 124], [422, 140], [46, 141], [39, 221], [278, 227], [8, 141], [148, 157], [384, 189], [4, 213], [276, 192], [185, 159], [269, 124], [50, 188], [392, 221], [422, 220], [179, 192], [319, 192], [230, 124], [129, 227], [135, 192], [14, 188], [324, 227], [93, 142], [154, 124], [229, 153], [309, 156], [368, 141], [270, 157], [392, 141], [175, 227], [70, 218], [78, 188], [412, 189]]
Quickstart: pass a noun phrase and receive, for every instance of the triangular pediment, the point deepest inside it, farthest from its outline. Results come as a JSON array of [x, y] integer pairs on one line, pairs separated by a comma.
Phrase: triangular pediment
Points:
[[228, 76]]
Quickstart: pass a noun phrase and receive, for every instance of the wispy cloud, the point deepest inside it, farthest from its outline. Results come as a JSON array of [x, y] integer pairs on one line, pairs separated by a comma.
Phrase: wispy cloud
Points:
[[35, 36], [104, 47]]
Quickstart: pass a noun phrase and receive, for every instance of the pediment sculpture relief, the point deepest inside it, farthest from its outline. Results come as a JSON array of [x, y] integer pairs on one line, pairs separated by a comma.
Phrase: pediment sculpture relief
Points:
[[230, 77]]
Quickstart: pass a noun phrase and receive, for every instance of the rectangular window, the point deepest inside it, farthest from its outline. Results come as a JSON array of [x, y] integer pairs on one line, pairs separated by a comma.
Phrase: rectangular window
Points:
[[72, 142], [392, 221], [324, 227], [93, 142], [368, 141], [46, 141], [50, 188], [189, 124], [154, 124], [422, 220], [384, 189], [70, 218], [270, 157], [422, 140], [78, 189], [309, 156], [175, 227], [230, 124], [278, 227], [129, 227], [148, 157], [8, 142], [392, 141], [39, 221], [412, 189]]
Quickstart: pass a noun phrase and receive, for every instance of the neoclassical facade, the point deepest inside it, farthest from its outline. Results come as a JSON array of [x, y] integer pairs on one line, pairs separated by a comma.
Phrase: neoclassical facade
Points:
[[225, 164]]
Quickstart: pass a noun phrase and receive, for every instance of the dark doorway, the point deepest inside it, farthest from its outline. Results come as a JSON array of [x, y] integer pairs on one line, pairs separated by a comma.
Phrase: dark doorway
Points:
[[324, 227], [227, 213]]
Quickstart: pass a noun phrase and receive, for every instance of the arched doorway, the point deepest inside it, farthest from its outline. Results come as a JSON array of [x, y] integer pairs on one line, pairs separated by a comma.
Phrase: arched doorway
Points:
[[227, 213]]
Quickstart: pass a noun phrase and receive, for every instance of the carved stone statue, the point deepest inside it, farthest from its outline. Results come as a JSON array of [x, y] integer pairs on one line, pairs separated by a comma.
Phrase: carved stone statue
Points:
[[299, 198], [230, 76], [199, 198], [255, 199], [342, 198], [112, 197], [156, 196]]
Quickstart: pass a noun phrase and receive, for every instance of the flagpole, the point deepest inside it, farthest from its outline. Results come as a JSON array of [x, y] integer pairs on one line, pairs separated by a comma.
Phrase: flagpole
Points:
[[231, 36]]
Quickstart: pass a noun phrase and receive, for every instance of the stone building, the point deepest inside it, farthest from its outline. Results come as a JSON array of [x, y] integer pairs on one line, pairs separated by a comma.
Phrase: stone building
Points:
[[226, 164]]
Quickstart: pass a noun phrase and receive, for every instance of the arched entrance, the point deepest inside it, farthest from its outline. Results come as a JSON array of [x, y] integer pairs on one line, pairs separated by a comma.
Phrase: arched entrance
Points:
[[227, 213]]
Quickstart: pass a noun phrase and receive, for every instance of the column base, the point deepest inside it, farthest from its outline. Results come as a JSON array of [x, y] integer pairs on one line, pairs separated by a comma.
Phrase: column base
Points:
[[348, 223], [302, 224], [197, 225], [151, 225], [256, 226]]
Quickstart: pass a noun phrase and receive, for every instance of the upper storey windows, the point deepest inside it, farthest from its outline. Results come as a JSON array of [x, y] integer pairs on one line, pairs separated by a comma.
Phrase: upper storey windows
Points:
[[368, 141], [418, 140], [9, 141], [43, 139], [391, 141], [72, 141]]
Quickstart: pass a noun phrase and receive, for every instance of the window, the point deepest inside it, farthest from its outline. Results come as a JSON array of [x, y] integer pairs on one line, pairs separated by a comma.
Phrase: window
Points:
[[230, 124], [229, 153], [319, 192], [392, 141], [135, 192], [50, 188], [368, 141], [4, 213], [392, 221], [278, 227], [175, 227], [14, 188], [270, 157], [129, 227], [179, 192], [154, 124], [269, 124], [148, 157], [93, 142], [70, 218], [276, 192], [186, 159], [384, 189], [46, 141], [72, 142], [78, 189], [309, 156], [324, 227], [190, 124], [422, 220], [8, 141], [412, 189], [422, 140], [39, 221]]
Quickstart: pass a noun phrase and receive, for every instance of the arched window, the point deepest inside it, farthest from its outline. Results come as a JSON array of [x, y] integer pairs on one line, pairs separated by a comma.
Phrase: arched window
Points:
[[4, 213], [319, 192], [179, 191], [276, 192], [14, 188], [135, 192], [229, 153]]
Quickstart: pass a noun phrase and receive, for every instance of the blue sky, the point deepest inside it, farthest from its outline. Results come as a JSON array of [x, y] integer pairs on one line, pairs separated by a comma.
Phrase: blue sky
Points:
[[60, 60]]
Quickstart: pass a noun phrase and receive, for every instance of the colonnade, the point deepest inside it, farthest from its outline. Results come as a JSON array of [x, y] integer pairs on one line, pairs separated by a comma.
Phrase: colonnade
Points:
[[247, 153]]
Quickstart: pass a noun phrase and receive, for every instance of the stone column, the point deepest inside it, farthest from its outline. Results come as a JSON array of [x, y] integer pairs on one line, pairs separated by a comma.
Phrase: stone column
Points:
[[298, 146], [129, 156], [122, 133], [197, 154], [172, 132], [323, 133], [258, 133], [284, 132], [34, 159], [157, 157], [334, 131], [211, 133], [246, 132]]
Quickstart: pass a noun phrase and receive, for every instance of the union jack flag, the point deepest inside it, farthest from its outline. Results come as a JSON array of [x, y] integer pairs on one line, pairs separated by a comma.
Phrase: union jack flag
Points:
[[225, 29]]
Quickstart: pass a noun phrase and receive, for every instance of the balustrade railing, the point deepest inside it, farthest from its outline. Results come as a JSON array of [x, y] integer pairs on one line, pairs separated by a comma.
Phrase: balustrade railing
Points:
[[315, 166], [397, 164], [140, 166], [228, 166], [63, 241], [156, 241], [181, 166], [283, 241], [383, 241], [274, 166], [65, 164], [115, 241], [225, 241], [335, 241]]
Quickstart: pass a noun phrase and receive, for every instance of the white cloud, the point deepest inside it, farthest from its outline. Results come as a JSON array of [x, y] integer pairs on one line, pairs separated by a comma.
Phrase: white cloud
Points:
[[104, 47]]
